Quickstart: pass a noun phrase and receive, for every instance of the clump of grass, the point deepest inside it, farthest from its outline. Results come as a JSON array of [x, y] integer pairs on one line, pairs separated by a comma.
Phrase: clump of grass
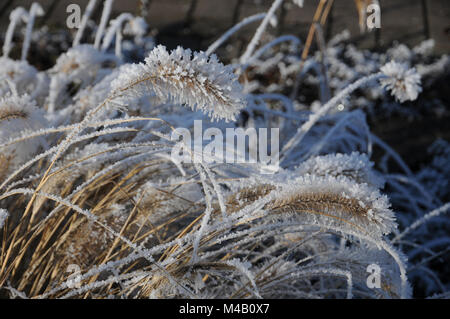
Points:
[[88, 183]]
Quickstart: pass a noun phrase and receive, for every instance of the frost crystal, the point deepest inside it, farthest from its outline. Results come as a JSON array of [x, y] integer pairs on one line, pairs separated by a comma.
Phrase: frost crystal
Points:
[[197, 80], [80, 57], [403, 83], [80, 66], [23, 75], [18, 114], [136, 26], [3, 215], [355, 166]]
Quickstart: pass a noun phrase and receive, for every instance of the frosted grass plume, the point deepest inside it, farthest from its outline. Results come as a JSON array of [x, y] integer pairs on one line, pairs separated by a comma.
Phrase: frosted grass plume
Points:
[[182, 77]]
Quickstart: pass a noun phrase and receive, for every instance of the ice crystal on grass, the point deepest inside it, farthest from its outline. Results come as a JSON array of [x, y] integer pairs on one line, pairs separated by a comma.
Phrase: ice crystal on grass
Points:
[[25, 78], [16, 15], [194, 79], [3, 215], [75, 70], [136, 26], [18, 114], [403, 83], [354, 166]]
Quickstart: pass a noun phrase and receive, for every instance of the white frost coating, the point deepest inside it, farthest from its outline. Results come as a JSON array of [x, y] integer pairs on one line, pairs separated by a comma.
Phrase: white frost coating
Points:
[[355, 166], [436, 212], [81, 65], [293, 39], [3, 215], [16, 16], [259, 32], [233, 30], [425, 48], [84, 20], [244, 267], [182, 77], [35, 10], [403, 83], [115, 29], [207, 214], [136, 26], [107, 5], [20, 73], [18, 114], [298, 137]]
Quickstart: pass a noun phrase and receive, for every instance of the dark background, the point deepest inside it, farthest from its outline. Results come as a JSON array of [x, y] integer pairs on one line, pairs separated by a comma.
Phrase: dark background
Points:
[[195, 23]]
